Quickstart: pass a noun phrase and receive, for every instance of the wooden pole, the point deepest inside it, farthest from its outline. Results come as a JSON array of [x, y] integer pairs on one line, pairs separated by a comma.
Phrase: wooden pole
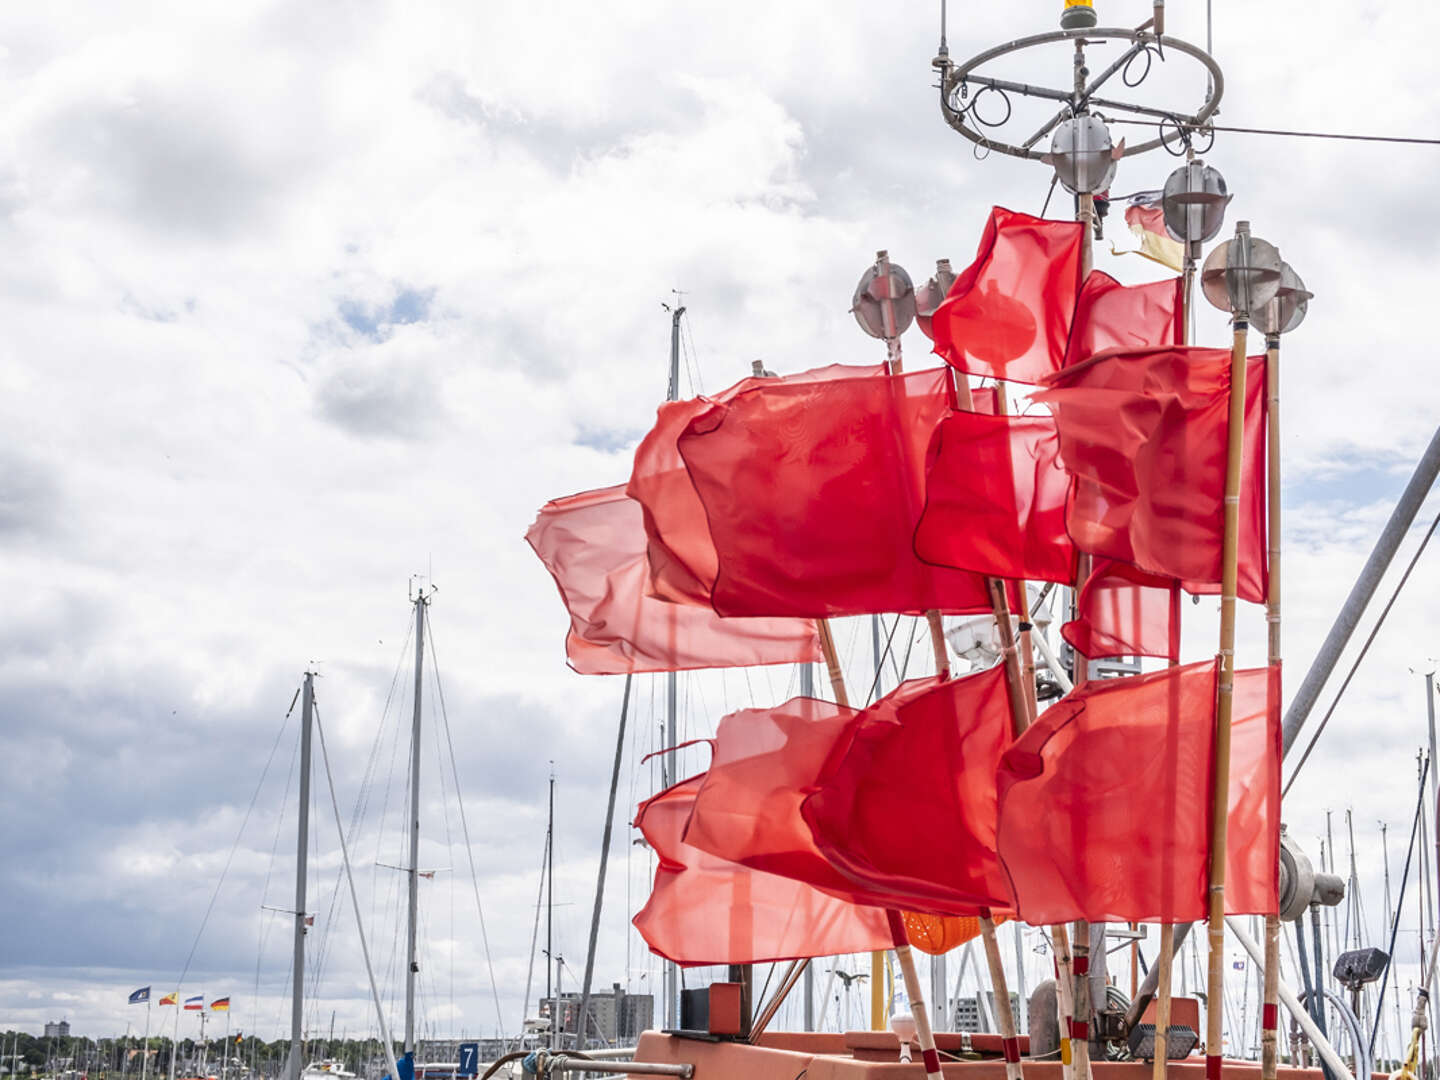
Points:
[[1220, 773], [913, 987], [1270, 1010], [1065, 995]]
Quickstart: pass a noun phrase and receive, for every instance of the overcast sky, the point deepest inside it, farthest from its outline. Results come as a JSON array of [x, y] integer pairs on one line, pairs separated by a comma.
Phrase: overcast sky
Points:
[[301, 300]]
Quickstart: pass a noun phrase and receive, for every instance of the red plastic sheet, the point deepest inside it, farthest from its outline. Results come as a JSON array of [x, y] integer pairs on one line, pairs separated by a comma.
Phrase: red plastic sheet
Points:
[[682, 557], [1008, 314], [1105, 800], [995, 499], [593, 544], [1109, 315], [1143, 434], [1123, 611], [828, 795], [813, 491], [707, 910]]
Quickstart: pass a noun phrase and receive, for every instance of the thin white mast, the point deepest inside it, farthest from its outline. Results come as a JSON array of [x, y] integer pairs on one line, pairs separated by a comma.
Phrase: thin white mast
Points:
[[671, 981], [302, 855], [411, 966]]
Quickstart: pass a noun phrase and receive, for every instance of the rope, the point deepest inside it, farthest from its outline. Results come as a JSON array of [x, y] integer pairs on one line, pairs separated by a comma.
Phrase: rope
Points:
[[1286, 133], [1364, 649]]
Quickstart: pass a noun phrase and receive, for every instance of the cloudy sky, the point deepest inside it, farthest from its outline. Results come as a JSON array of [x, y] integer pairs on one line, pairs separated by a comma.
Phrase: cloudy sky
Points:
[[302, 300]]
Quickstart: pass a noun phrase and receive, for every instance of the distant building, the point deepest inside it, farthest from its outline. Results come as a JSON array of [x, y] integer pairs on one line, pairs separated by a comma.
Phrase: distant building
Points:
[[616, 1018], [967, 1012], [57, 1029]]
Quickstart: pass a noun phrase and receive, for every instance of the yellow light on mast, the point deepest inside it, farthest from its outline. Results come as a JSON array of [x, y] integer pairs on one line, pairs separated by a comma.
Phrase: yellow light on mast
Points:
[[1078, 14]]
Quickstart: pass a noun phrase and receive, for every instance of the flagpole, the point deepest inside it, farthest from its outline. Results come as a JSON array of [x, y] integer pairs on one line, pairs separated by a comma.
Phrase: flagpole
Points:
[[145, 1051], [1220, 773], [1270, 1012], [924, 1033]]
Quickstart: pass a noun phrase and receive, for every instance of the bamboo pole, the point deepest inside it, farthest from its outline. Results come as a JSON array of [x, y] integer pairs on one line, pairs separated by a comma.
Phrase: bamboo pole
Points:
[[1064, 997], [1220, 773], [913, 987], [1270, 1010]]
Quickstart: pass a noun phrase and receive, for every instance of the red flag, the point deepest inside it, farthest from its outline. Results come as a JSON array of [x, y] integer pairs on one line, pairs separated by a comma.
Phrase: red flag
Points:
[[707, 910], [1008, 314], [1109, 315], [909, 810], [681, 554], [593, 544], [813, 491], [824, 794], [1143, 434], [1123, 611], [1105, 801], [995, 499]]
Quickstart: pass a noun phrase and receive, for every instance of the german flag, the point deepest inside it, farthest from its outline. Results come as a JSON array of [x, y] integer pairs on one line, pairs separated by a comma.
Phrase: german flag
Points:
[[220, 1005]]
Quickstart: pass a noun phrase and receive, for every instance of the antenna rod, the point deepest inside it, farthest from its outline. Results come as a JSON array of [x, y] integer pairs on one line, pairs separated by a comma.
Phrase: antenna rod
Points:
[[302, 856], [411, 966]]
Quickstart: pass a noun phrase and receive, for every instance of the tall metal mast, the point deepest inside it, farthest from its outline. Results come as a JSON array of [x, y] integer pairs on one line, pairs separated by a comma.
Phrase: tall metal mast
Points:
[[412, 968], [550, 991], [302, 857], [671, 981]]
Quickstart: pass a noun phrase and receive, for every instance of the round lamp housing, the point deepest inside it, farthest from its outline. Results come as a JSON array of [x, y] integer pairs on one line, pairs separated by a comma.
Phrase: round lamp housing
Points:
[[1083, 155], [1242, 274]]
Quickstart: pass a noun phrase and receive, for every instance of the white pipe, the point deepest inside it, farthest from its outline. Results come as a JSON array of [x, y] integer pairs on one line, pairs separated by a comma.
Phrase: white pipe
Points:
[[1051, 662], [1321, 1044]]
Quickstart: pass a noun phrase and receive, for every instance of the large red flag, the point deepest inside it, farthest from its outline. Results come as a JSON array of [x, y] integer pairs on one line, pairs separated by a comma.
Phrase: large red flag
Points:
[[1105, 801], [681, 554], [1123, 611], [812, 492], [1008, 314], [593, 544], [819, 793], [1109, 315], [708, 910], [1143, 434], [995, 499]]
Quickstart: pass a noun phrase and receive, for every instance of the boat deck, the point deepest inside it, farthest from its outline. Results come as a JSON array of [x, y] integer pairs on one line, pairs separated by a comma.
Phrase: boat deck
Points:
[[875, 1055]]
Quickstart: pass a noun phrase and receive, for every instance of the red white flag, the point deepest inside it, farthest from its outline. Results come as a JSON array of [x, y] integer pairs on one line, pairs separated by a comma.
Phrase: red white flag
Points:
[[682, 556], [593, 544], [1143, 434], [1008, 315], [813, 491], [1105, 800], [995, 499], [708, 910]]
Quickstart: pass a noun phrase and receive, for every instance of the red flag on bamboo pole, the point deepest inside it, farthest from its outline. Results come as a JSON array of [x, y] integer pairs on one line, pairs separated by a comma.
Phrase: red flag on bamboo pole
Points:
[[681, 554], [593, 544], [1109, 315], [1104, 800], [707, 910], [812, 493], [995, 499], [1123, 611], [1009, 313], [1143, 435]]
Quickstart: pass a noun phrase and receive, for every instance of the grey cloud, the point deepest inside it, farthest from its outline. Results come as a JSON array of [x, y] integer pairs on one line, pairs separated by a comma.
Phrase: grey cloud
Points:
[[371, 398], [30, 498]]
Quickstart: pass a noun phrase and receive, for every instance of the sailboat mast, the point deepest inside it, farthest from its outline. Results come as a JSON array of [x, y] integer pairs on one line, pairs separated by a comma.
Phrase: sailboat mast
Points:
[[555, 1013], [411, 967], [302, 857], [671, 980]]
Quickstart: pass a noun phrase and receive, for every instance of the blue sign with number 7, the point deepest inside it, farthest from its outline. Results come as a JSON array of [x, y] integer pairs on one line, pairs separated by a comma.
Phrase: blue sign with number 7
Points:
[[469, 1059]]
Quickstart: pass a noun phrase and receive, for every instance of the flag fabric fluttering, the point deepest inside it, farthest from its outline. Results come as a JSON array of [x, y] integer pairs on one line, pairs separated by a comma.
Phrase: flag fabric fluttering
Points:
[[1145, 215], [171, 999], [812, 791], [707, 910], [1109, 315], [220, 1005], [1009, 313], [681, 554], [1105, 800], [812, 493], [1123, 611], [195, 1004], [594, 546], [1143, 436], [139, 997], [995, 499]]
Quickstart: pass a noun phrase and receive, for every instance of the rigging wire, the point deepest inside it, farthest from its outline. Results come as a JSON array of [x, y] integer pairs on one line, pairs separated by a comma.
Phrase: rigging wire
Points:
[[1280, 132], [465, 831], [209, 908], [1363, 650]]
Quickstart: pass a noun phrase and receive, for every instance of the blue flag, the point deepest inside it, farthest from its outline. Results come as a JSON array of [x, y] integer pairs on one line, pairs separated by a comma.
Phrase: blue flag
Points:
[[140, 996]]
